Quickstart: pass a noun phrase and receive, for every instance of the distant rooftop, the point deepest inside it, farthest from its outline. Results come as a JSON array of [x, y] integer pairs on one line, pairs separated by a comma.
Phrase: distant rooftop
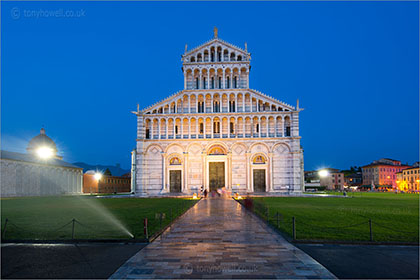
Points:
[[34, 159]]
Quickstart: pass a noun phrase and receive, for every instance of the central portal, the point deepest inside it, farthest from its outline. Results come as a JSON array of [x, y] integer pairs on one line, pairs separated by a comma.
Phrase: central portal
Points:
[[216, 175]]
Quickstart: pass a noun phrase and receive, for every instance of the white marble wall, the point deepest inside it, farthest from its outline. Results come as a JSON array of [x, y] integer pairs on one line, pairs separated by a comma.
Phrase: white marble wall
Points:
[[30, 179], [284, 164]]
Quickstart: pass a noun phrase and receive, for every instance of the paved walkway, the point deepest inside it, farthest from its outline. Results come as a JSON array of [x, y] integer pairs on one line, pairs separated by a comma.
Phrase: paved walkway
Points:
[[217, 238]]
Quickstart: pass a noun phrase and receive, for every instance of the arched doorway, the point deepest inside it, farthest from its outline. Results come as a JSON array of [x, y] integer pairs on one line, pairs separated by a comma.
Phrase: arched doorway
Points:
[[259, 163], [175, 174], [217, 173]]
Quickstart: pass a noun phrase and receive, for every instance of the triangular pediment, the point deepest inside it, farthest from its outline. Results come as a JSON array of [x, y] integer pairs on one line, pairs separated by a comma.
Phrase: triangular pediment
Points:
[[273, 100], [169, 99], [254, 93], [216, 42]]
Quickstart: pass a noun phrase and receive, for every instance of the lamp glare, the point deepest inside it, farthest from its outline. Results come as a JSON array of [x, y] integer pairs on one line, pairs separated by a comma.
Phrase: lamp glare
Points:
[[323, 173], [44, 152]]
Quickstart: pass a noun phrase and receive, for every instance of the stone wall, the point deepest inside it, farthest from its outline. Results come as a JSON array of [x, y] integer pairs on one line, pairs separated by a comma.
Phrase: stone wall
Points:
[[30, 179], [283, 164]]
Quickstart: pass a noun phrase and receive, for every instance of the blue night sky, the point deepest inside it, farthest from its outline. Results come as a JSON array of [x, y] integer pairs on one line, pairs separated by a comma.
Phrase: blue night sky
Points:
[[353, 65]]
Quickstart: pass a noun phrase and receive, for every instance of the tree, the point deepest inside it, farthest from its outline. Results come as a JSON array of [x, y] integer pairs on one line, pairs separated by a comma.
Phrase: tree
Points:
[[107, 172]]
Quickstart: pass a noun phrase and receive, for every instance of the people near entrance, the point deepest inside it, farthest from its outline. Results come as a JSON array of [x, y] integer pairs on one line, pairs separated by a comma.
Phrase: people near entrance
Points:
[[249, 203], [205, 193], [225, 192]]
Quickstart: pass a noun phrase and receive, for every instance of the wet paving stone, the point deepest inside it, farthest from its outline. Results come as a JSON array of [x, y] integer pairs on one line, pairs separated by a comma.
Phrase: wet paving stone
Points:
[[219, 239]]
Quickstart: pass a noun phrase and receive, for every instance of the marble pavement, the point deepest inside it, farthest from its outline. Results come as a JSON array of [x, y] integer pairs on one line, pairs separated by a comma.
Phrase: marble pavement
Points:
[[218, 238]]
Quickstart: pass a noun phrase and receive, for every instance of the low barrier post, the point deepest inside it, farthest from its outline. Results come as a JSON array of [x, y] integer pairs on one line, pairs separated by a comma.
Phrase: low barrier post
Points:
[[3, 234], [370, 230], [146, 232], [277, 217], [72, 228], [160, 220], [294, 227]]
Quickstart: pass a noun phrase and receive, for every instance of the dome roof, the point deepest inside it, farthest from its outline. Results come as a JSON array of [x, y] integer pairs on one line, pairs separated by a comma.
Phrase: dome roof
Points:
[[41, 140]]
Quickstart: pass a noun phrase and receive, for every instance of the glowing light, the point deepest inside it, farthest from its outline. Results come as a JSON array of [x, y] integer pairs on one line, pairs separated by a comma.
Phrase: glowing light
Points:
[[388, 177], [195, 196], [323, 173], [238, 196], [98, 176], [44, 152]]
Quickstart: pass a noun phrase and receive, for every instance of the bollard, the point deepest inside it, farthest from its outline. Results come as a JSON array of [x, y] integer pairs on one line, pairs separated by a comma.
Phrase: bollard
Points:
[[277, 217], [370, 230], [294, 227], [160, 220], [72, 228], [146, 233], [3, 234]]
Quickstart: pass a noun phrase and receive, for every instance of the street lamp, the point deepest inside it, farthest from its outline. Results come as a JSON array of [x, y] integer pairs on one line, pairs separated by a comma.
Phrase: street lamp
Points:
[[44, 152], [323, 173], [98, 176]]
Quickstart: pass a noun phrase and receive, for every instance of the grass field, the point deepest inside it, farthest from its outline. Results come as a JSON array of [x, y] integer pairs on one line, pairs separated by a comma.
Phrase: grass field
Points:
[[97, 218], [395, 217]]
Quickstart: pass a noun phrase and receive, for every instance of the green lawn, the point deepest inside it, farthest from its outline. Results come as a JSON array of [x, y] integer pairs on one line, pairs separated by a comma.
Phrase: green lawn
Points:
[[395, 217], [98, 218]]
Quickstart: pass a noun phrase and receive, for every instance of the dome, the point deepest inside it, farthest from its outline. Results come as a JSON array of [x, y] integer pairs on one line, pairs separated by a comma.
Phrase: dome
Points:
[[41, 141]]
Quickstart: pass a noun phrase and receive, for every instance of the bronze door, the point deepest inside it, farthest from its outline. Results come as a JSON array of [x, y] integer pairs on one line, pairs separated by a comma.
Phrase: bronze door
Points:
[[259, 180], [175, 181], [216, 175]]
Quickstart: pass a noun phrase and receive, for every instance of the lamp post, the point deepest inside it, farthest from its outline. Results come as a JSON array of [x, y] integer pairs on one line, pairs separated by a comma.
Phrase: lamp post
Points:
[[98, 176], [323, 173]]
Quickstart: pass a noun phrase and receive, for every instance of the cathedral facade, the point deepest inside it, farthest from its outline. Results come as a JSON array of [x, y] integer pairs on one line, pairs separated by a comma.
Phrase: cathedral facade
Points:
[[217, 132]]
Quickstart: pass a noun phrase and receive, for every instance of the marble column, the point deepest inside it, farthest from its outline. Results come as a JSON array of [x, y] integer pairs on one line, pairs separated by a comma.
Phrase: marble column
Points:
[[268, 127]]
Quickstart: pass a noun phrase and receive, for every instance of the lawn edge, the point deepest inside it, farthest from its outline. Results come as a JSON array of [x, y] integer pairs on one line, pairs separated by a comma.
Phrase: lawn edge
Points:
[[317, 241], [160, 232], [107, 241]]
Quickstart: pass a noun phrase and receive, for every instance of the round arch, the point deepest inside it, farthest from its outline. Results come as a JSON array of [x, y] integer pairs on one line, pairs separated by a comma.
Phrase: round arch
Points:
[[154, 145], [259, 143], [209, 146], [174, 145], [174, 159], [281, 144], [259, 158]]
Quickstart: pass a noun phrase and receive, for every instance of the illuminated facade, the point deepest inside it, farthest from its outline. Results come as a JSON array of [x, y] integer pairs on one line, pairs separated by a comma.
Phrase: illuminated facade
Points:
[[408, 180], [382, 172], [334, 180], [217, 132]]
